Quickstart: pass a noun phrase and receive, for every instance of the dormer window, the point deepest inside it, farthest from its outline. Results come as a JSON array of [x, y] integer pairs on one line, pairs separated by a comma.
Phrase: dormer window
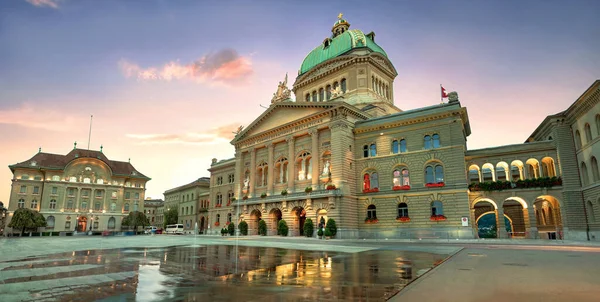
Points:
[[33, 163], [326, 42], [371, 36]]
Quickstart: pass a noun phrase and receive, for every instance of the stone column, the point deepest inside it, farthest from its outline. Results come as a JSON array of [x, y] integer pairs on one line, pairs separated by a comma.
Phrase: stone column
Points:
[[291, 163], [540, 172], [474, 223], [239, 175], [252, 172], [530, 223], [314, 133], [500, 223], [271, 170]]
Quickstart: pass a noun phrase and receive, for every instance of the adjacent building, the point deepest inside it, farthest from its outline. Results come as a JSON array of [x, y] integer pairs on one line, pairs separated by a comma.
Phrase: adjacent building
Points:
[[190, 200], [80, 191], [151, 210], [343, 150]]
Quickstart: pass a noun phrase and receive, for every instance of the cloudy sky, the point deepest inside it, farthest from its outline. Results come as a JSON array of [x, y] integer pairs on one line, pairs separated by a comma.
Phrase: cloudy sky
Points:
[[168, 81]]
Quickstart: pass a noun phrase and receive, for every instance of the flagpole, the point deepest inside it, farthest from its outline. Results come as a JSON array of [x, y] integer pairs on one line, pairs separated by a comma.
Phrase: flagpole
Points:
[[90, 135]]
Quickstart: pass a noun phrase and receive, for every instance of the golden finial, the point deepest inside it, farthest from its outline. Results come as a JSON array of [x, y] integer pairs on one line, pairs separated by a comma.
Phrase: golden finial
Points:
[[340, 16]]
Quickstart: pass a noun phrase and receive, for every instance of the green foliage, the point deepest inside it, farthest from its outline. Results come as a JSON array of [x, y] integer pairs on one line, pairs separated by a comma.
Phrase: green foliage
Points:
[[263, 195], [309, 228], [27, 219], [224, 231], [328, 233], [282, 228], [332, 227], [171, 217], [135, 219], [262, 228], [542, 182], [231, 229], [243, 226], [308, 189], [320, 232], [284, 192]]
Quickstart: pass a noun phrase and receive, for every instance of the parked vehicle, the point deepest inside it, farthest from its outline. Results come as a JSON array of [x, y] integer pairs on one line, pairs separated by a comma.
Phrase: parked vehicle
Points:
[[174, 229], [159, 231], [150, 230]]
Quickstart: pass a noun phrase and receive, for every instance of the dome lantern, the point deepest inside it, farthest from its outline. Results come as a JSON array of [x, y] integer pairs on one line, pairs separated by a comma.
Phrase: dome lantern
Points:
[[340, 26]]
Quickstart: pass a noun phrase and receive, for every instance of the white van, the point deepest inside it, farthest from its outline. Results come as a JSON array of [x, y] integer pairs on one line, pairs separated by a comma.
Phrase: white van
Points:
[[150, 230]]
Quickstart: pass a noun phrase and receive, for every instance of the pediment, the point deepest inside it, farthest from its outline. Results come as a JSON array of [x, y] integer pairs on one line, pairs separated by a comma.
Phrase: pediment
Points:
[[281, 114]]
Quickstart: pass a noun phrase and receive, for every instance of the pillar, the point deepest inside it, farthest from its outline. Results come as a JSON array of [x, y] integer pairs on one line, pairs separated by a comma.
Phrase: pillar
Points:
[[314, 133], [530, 223], [500, 223], [252, 182], [291, 163], [270, 169], [540, 170], [239, 174], [474, 223]]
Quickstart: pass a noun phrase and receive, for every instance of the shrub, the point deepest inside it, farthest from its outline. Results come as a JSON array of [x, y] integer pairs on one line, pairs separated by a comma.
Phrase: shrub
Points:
[[308, 228], [243, 227], [284, 192], [328, 233], [263, 195], [262, 228], [320, 232], [307, 190], [231, 229], [331, 227], [223, 231], [282, 228]]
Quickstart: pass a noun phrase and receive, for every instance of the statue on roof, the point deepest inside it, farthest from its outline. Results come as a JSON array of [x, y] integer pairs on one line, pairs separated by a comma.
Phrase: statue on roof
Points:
[[335, 92], [283, 92], [453, 96]]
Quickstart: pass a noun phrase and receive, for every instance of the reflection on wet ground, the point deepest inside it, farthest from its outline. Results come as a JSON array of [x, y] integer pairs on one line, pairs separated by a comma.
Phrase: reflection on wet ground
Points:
[[211, 273]]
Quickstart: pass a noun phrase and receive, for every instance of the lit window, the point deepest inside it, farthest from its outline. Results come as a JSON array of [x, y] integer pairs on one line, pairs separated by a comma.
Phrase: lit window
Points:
[[34, 204], [23, 190], [53, 204]]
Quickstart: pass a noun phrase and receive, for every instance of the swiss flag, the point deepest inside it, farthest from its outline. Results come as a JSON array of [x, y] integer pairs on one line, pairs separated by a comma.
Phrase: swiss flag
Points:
[[444, 94]]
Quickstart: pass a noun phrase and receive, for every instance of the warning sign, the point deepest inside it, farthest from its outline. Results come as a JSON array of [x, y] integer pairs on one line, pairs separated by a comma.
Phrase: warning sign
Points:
[[465, 221]]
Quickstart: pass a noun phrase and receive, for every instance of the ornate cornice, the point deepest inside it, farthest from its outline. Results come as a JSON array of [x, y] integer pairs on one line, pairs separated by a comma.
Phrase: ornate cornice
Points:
[[394, 123]]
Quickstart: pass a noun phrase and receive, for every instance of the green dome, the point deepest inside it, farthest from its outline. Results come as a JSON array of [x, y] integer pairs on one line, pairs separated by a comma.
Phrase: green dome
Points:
[[343, 43]]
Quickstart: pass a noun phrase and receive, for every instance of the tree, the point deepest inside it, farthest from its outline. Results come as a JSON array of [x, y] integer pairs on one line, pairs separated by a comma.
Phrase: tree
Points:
[[24, 218], [282, 228], [243, 226], [171, 217], [308, 228], [135, 219], [231, 229], [262, 228], [331, 227]]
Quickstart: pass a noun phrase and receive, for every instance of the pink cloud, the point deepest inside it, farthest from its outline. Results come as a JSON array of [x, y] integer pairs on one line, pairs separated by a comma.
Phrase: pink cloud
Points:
[[48, 119], [217, 135], [224, 66], [42, 3]]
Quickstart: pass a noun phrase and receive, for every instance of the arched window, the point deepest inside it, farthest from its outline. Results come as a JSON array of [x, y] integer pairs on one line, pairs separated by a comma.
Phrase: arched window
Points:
[[87, 180], [55, 178], [111, 223], [343, 84], [261, 174], [595, 172], [395, 147], [304, 166], [597, 124], [34, 204], [577, 139], [307, 97], [402, 210], [50, 222], [335, 85], [437, 208], [371, 212], [427, 142], [473, 174], [402, 145], [73, 179], [588, 133], [434, 174], [584, 174], [374, 180], [126, 207], [401, 177], [314, 96], [436, 140], [219, 199], [328, 92], [366, 151], [500, 173], [53, 204], [370, 181], [373, 149], [321, 95], [21, 203], [229, 217], [281, 169]]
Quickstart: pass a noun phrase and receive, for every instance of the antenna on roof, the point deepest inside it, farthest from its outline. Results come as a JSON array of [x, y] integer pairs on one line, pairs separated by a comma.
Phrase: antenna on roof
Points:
[[90, 135]]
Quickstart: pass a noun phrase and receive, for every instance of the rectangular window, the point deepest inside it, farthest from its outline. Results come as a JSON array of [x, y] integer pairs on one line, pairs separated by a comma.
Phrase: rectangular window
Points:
[[36, 190], [138, 185], [97, 206], [37, 178], [85, 193], [54, 190], [98, 194], [95, 224], [71, 192], [127, 195], [137, 195], [67, 225], [23, 190], [70, 204], [113, 195], [84, 205]]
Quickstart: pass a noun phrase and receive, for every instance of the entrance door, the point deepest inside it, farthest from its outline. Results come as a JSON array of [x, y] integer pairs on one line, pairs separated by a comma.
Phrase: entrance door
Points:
[[301, 219], [202, 225], [82, 224]]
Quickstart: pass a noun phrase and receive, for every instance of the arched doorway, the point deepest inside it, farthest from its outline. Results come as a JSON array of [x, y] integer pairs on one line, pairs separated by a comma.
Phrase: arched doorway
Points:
[[275, 217], [202, 225], [255, 217], [299, 218], [321, 217], [548, 217], [81, 224], [515, 208], [486, 227]]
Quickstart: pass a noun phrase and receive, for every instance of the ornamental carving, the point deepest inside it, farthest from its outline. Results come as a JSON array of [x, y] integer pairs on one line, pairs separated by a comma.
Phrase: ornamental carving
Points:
[[283, 92]]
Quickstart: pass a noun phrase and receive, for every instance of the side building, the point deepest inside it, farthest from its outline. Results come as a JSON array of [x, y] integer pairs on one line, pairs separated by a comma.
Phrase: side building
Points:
[[80, 191], [190, 200], [151, 209]]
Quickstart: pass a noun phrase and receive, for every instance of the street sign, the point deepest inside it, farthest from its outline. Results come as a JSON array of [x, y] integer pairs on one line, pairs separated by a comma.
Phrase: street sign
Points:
[[465, 221]]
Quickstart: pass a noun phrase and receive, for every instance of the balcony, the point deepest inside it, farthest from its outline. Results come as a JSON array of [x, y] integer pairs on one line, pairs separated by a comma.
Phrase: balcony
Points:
[[543, 182]]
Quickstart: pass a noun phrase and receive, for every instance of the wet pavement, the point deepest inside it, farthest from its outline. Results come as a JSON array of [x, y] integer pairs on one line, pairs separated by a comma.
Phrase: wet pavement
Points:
[[213, 273]]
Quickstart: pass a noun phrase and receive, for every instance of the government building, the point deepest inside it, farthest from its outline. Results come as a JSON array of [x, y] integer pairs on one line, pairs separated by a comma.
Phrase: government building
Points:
[[80, 191], [343, 150]]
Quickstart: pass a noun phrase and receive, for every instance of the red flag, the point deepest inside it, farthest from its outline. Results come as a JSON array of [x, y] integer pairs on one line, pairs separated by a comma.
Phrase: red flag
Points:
[[444, 94]]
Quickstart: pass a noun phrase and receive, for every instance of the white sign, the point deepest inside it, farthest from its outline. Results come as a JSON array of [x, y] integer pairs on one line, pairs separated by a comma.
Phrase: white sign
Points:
[[465, 221]]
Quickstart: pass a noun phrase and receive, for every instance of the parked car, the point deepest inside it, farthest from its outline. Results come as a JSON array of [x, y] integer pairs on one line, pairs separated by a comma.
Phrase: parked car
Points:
[[150, 230], [159, 231]]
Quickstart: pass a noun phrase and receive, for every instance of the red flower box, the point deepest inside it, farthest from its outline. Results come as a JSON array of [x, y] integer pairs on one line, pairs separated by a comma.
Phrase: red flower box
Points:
[[245, 197], [374, 190], [396, 188], [403, 219], [217, 206], [371, 220], [227, 223], [217, 223], [437, 218], [229, 203], [330, 187], [436, 185]]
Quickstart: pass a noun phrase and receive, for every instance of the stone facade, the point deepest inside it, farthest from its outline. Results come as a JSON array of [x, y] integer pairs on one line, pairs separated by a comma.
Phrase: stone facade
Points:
[[80, 191], [381, 172], [151, 209], [190, 200]]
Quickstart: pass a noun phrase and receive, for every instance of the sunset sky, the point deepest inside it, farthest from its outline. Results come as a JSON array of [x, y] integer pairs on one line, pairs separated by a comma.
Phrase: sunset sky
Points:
[[168, 81]]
